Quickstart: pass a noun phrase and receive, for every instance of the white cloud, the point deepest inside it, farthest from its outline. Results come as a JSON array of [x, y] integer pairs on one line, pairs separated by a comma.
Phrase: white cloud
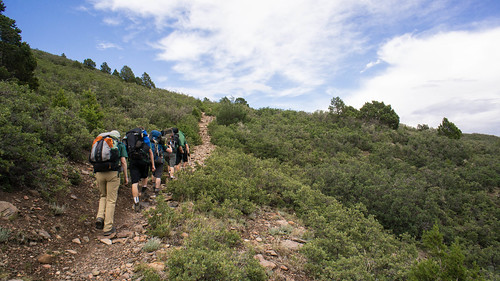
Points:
[[253, 40], [107, 45], [288, 48], [453, 75]]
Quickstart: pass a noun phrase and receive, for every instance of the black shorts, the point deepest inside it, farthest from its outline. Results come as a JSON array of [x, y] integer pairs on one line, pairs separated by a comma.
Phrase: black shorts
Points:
[[181, 157], [159, 170], [138, 172]]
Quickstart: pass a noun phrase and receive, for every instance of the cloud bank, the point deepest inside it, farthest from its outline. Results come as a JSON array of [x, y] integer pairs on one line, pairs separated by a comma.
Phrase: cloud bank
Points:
[[453, 75], [282, 50]]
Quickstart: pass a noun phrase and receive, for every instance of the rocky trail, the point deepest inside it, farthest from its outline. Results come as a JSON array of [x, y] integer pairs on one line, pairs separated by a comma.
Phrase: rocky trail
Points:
[[59, 241]]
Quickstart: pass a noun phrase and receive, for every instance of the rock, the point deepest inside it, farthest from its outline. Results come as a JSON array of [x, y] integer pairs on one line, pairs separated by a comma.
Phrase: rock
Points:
[[282, 222], [121, 240], [46, 266], [34, 193], [7, 210], [44, 234], [71, 252], [258, 239], [96, 272], [291, 245], [185, 235], [86, 239], [107, 241], [265, 263], [271, 253], [158, 266], [298, 240], [173, 204], [46, 258], [76, 241], [284, 268], [125, 234], [72, 196]]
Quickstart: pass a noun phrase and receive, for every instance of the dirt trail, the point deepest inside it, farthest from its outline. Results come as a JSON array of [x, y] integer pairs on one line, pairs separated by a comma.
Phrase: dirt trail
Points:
[[201, 152], [117, 261]]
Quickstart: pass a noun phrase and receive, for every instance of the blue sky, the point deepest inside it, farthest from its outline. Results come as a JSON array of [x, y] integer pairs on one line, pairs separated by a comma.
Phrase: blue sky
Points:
[[428, 59]]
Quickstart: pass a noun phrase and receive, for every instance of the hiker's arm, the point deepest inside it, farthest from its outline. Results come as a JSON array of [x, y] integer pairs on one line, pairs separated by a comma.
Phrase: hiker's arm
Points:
[[187, 148], [124, 166], [153, 168]]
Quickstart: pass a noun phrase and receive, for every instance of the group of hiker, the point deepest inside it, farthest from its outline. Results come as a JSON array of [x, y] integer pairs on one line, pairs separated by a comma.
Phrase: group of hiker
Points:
[[144, 152]]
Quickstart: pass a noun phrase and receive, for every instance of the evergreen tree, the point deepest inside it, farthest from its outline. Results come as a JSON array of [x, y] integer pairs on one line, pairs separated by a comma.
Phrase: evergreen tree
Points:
[[89, 63], [147, 82], [116, 73], [16, 58], [105, 68], [448, 129], [241, 101], [127, 74], [337, 106], [381, 112]]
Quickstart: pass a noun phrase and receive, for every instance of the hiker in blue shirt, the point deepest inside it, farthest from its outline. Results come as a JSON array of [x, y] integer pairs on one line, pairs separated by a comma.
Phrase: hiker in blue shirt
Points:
[[159, 149]]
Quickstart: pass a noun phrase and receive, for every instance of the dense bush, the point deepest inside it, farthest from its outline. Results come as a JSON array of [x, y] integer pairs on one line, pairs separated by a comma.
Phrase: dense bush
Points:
[[210, 254], [406, 178], [231, 113], [29, 157], [345, 239], [380, 112], [44, 129]]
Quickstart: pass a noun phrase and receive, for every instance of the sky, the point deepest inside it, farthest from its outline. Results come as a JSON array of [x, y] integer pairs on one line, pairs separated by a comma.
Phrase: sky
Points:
[[428, 59]]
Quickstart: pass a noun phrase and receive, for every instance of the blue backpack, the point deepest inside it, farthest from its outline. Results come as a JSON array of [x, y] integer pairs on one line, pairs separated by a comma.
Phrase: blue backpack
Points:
[[157, 147]]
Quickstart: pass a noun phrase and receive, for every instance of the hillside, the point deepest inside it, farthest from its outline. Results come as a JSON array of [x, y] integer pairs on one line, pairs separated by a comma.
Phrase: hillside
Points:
[[362, 199]]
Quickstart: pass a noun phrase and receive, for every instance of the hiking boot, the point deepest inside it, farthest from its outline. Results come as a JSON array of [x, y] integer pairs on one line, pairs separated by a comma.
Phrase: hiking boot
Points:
[[99, 223], [136, 207], [109, 232], [156, 191]]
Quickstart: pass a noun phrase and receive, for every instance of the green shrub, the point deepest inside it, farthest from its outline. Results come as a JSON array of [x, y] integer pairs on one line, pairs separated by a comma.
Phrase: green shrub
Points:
[[209, 255], [380, 112], [443, 263], [4, 234], [26, 159], [163, 219], [152, 245], [57, 210], [231, 113]]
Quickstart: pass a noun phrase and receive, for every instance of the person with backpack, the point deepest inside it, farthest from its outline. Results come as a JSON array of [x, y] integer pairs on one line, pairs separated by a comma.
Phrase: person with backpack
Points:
[[140, 160], [108, 157], [159, 149], [182, 151], [172, 146]]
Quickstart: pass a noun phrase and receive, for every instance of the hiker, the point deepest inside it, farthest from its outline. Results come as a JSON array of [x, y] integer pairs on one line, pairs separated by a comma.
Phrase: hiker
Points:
[[159, 149], [172, 145], [108, 156], [182, 151], [140, 160]]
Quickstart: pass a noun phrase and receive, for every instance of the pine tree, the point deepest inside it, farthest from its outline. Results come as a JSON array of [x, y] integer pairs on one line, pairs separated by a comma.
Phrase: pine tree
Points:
[[17, 61]]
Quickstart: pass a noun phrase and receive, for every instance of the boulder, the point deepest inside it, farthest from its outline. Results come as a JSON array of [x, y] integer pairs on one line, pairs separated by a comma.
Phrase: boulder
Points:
[[7, 210]]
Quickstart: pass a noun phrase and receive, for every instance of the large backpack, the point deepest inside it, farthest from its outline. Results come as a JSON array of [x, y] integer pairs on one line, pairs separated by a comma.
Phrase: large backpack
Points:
[[105, 154], [137, 149], [173, 142], [157, 147], [181, 139]]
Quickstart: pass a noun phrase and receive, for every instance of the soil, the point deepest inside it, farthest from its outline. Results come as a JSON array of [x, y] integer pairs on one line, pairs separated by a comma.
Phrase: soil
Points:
[[45, 245]]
